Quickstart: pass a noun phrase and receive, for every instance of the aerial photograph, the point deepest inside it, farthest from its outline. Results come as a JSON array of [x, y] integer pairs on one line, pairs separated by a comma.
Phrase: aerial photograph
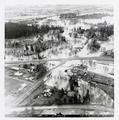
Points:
[[59, 61]]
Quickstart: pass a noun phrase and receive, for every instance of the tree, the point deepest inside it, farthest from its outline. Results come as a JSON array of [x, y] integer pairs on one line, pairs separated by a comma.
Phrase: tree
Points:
[[75, 35], [87, 97], [63, 39], [26, 47], [93, 46], [16, 30], [40, 70], [25, 66], [38, 49], [32, 49]]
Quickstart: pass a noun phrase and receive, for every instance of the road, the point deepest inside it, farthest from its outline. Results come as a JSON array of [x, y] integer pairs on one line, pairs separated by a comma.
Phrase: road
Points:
[[64, 109], [36, 85], [61, 59]]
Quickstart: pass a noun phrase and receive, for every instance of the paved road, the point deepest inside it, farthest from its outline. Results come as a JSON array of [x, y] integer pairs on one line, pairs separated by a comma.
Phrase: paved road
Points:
[[61, 59], [72, 109], [36, 85]]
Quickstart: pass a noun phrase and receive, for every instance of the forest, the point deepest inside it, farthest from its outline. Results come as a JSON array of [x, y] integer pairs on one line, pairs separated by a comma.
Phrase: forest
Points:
[[17, 30]]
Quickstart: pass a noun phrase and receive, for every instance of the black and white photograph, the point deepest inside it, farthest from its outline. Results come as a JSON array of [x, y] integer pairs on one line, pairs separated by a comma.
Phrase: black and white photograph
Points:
[[59, 60]]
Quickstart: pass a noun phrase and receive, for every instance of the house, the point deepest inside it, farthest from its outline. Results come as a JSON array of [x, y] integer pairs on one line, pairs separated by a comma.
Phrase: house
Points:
[[29, 49]]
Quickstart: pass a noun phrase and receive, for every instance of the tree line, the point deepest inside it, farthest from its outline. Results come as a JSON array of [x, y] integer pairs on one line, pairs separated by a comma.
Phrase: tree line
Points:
[[16, 30], [98, 34], [101, 33]]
